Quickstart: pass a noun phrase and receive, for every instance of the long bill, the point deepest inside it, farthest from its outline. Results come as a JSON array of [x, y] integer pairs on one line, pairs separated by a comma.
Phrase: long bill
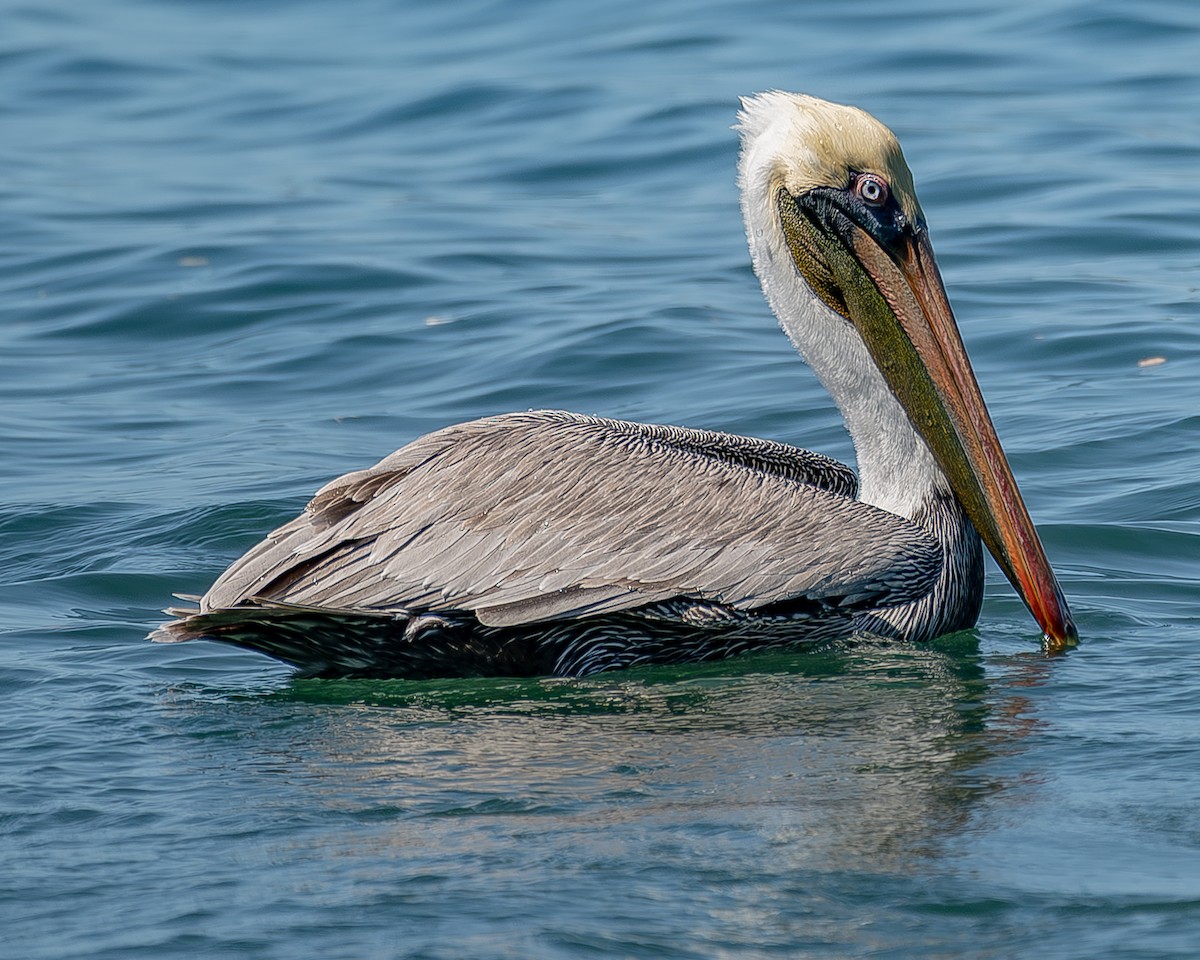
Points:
[[899, 305]]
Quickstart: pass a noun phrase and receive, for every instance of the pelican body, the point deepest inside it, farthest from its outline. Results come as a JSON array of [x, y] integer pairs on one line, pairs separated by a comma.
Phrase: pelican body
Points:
[[556, 543]]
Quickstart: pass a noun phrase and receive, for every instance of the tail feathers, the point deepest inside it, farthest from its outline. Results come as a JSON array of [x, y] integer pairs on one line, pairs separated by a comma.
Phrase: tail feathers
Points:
[[191, 623], [326, 642]]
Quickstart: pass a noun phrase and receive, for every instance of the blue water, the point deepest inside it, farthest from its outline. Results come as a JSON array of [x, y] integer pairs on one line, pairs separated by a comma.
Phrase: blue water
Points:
[[250, 246]]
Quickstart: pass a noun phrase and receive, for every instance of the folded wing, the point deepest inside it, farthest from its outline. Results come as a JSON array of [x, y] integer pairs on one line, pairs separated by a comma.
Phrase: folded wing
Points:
[[541, 516]]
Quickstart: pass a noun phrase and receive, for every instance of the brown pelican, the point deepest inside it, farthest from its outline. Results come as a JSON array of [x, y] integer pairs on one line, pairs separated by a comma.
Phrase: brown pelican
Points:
[[556, 543]]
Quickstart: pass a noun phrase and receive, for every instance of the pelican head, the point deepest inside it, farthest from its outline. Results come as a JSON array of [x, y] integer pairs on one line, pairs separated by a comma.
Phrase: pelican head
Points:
[[840, 244]]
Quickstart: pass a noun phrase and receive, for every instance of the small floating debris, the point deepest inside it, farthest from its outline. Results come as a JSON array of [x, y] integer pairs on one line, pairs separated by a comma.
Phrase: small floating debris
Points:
[[1151, 361], [437, 321], [193, 261]]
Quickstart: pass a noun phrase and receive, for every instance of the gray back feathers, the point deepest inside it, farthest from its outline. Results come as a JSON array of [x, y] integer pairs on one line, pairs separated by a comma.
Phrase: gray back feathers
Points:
[[533, 517]]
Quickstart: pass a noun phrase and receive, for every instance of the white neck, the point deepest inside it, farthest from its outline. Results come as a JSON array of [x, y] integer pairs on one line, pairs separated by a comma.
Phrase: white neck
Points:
[[896, 470]]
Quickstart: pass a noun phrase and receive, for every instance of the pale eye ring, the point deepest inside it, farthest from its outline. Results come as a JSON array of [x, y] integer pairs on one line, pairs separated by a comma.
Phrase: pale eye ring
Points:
[[871, 189]]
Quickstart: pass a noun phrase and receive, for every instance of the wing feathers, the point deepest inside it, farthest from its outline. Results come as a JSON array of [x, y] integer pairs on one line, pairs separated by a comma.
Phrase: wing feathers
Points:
[[530, 517]]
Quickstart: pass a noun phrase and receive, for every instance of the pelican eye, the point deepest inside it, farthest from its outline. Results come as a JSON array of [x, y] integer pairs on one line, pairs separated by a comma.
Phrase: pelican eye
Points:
[[871, 189]]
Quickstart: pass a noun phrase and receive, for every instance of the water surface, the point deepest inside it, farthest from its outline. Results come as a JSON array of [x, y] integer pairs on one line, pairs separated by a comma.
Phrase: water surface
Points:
[[251, 246]]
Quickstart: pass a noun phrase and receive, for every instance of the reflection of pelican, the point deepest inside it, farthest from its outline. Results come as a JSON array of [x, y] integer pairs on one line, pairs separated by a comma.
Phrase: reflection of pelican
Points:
[[555, 543]]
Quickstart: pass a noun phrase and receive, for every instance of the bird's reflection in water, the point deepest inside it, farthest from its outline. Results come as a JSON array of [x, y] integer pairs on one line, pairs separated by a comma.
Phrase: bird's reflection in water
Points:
[[863, 758]]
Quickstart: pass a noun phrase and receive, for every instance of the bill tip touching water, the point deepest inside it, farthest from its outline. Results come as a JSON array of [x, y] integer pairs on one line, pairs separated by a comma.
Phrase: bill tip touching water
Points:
[[489, 547]]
